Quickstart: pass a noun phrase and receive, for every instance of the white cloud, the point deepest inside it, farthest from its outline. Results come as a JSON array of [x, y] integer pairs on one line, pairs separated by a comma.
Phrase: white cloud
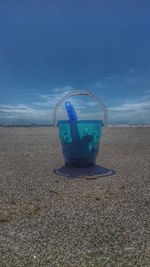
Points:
[[43, 106], [113, 77], [22, 111], [116, 80], [91, 104], [15, 109], [51, 99], [42, 109], [62, 89], [99, 85], [132, 107], [137, 111]]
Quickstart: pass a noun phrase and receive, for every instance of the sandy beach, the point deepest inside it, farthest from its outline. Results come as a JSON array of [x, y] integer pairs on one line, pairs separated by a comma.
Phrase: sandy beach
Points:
[[94, 220]]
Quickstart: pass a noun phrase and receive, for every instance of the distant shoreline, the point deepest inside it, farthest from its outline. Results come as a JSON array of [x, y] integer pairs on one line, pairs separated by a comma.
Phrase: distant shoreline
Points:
[[16, 125], [50, 125]]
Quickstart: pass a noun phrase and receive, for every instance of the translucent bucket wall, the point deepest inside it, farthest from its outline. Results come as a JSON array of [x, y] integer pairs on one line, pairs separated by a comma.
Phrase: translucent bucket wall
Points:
[[80, 141]]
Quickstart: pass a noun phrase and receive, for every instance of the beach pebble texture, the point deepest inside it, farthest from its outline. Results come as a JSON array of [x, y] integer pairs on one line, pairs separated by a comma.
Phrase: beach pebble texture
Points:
[[51, 220]]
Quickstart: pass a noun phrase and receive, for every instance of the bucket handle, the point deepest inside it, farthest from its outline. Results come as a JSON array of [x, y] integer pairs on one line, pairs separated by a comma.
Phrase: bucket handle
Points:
[[85, 93]]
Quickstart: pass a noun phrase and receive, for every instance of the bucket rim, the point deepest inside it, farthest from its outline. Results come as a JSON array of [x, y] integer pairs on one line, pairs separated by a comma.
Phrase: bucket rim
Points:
[[81, 121]]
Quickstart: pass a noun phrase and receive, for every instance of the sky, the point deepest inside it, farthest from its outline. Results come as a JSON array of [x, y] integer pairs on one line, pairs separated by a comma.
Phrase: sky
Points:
[[50, 48]]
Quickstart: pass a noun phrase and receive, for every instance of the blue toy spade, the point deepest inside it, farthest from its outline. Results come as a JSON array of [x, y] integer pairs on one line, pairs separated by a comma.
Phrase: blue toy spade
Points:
[[73, 125]]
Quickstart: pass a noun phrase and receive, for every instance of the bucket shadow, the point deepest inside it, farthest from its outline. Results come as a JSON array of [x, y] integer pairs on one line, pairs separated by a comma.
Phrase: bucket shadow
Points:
[[89, 173]]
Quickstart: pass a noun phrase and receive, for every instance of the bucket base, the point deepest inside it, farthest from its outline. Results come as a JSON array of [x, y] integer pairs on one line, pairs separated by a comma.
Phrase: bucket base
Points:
[[80, 164], [89, 173]]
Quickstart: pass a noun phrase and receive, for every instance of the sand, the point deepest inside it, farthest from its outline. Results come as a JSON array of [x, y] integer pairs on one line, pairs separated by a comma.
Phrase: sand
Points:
[[52, 220]]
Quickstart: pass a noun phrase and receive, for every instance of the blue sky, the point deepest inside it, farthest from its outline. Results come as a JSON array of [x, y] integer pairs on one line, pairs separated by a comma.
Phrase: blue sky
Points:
[[49, 48]]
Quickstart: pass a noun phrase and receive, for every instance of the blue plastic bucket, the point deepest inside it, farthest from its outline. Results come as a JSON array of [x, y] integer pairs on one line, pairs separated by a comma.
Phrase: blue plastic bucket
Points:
[[80, 141]]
